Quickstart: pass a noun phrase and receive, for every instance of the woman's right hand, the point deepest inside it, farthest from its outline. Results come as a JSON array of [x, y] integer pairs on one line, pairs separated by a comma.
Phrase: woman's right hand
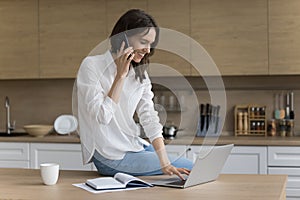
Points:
[[123, 59], [170, 170]]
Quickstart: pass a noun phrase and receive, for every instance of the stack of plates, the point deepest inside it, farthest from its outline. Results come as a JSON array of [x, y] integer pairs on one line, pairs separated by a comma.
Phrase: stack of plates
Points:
[[65, 124]]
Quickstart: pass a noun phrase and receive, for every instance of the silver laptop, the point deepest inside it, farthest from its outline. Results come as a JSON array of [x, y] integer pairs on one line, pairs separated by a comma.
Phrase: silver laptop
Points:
[[207, 167]]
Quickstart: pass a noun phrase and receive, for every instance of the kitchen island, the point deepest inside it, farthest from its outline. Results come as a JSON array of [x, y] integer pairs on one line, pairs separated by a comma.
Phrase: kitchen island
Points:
[[27, 184]]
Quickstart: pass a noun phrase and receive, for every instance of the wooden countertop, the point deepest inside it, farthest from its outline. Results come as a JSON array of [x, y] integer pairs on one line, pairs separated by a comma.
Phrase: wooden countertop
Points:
[[180, 140], [27, 184], [238, 140], [51, 138]]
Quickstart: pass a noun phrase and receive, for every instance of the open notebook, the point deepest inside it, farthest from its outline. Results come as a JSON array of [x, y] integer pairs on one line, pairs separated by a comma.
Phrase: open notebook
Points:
[[119, 181]]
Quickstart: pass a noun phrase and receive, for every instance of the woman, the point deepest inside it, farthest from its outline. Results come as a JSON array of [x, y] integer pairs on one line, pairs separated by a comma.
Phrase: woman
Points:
[[111, 88]]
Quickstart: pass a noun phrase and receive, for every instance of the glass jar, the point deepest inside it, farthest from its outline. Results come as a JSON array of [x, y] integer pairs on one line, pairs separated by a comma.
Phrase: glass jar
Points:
[[162, 100], [262, 111], [258, 126], [252, 112], [282, 127], [262, 126], [271, 128], [257, 112], [253, 126], [289, 127]]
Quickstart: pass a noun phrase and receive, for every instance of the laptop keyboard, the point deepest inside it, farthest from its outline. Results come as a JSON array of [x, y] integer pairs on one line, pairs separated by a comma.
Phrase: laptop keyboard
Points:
[[179, 182]]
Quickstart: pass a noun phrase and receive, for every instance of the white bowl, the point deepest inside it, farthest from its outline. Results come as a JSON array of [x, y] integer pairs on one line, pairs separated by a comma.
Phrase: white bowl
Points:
[[38, 130]]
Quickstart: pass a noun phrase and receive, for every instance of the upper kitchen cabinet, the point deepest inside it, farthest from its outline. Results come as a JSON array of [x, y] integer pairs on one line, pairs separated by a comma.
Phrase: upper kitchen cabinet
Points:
[[19, 39], [116, 8], [234, 33], [284, 35], [69, 30], [176, 18]]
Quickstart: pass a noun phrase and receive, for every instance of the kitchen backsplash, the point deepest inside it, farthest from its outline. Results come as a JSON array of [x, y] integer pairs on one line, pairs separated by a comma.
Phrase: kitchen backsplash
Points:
[[35, 101], [41, 101]]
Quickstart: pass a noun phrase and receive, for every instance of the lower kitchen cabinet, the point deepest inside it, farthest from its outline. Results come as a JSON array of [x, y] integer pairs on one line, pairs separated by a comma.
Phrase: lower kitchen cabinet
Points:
[[246, 160], [293, 183], [68, 156], [242, 159], [31, 155], [177, 150], [14, 155], [286, 160]]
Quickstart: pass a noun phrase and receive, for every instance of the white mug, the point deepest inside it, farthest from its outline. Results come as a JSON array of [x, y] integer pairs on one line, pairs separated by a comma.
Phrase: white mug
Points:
[[49, 173]]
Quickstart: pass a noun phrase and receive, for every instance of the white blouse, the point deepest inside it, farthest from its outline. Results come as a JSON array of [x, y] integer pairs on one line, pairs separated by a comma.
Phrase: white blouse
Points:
[[104, 125]]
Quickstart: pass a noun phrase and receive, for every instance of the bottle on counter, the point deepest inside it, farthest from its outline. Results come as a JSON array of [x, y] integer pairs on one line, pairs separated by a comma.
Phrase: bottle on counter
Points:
[[252, 112], [253, 126], [262, 111], [257, 112], [171, 102], [245, 125], [282, 127], [240, 122], [289, 127], [162, 100], [262, 126], [271, 128], [258, 126]]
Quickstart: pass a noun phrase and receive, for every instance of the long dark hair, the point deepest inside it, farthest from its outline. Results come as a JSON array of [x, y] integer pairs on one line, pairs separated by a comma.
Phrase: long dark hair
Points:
[[135, 21]]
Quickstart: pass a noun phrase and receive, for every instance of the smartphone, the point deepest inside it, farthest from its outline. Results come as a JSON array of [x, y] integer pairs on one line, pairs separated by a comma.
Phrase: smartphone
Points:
[[117, 42], [122, 37]]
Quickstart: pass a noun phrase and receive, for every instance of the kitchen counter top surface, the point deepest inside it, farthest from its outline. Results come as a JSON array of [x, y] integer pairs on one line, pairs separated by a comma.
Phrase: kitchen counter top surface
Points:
[[27, 184], [237, 140], [180, 140], [51, 138]]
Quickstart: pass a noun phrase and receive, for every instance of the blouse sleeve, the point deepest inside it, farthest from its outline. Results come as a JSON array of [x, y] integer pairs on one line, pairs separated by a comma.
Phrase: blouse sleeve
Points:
[[93, 97], [148, 117]]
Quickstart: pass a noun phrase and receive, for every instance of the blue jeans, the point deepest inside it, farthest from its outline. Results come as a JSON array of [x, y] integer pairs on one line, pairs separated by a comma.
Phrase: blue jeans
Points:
[[143, 163]]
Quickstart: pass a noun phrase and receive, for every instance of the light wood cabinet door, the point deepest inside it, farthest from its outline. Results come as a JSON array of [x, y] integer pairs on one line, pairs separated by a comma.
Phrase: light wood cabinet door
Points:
[[284, 32], [19, 39], [176, 17], [116, 8], [234, 32], [69, 30]]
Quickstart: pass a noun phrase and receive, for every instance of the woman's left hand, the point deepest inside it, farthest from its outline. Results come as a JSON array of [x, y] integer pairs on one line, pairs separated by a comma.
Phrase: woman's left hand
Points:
[[170, 170]]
